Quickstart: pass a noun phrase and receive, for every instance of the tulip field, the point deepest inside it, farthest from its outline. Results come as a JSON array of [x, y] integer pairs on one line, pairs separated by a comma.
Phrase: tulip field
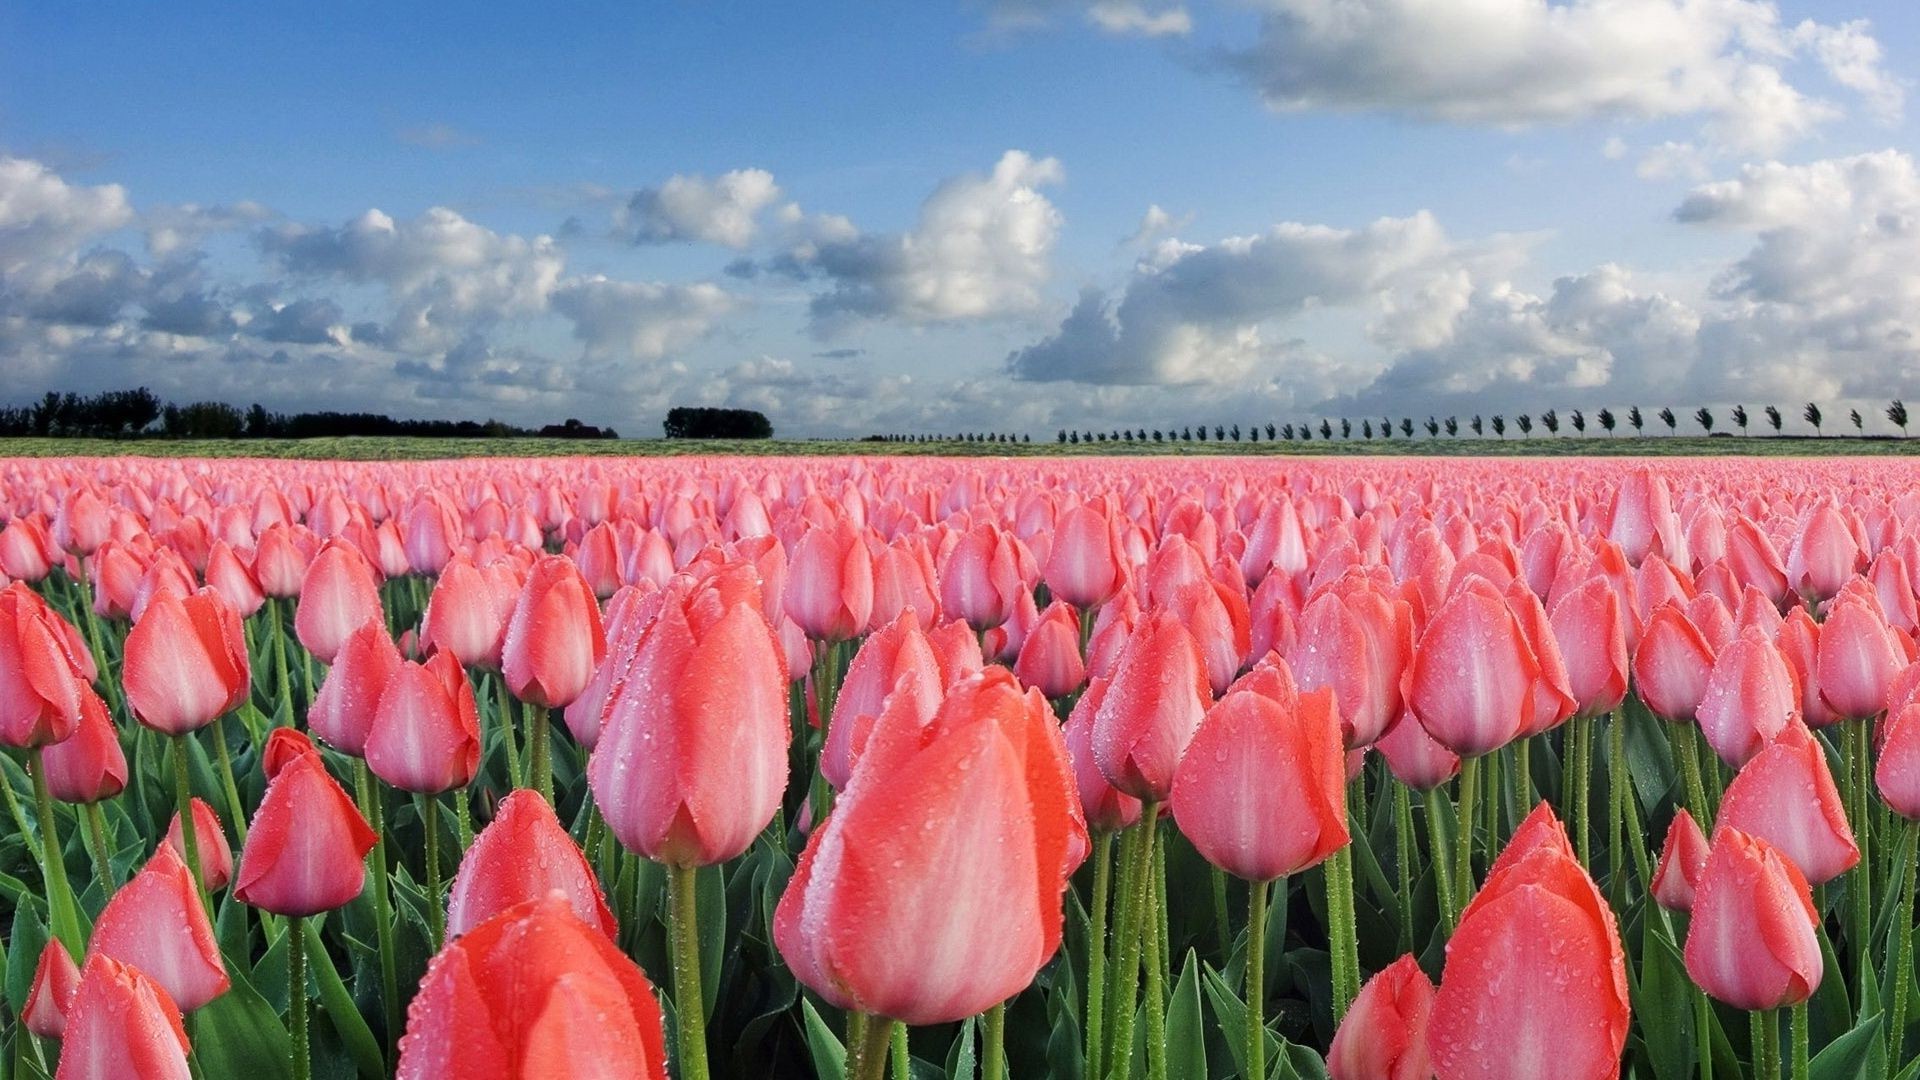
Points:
[[921, 767]]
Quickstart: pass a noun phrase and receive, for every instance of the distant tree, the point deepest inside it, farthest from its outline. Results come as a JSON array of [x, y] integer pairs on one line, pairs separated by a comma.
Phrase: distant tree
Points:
[[1406, 426], [1453, 427], [1326, 429], [1633, 417], [1525, 423], [1579, 420], [1219, 433], [1286, 431], [1773, 418], [1704, 417], [1433, 428], [1073, 437], [1667, 418], [1253, 433], [1739, 415], [1386, 427], [1272, 432], [1475, 425], [1499, 425], [1201, 431], [1858, 424], [1186, 434], [1366, 428], [1812, 415], [702, 423], [1607, 421], [1306, 434], [1551, 421], [1346, 428], [1897, 413]]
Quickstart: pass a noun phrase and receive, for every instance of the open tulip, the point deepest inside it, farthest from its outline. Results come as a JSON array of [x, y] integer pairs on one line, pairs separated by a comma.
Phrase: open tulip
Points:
[[425, 736], [933, 889], [1752, 941], [524, 855], [185, 958], [306, 852], [533, 991], [121, 1023], [1384, 1034]]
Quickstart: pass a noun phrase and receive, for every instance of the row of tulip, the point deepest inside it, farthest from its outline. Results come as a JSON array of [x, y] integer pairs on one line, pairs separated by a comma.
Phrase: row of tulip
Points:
[[938, 768]]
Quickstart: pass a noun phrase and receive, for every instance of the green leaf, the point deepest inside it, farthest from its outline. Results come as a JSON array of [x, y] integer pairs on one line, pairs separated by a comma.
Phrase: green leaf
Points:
[[1186, 1038], [960, 1056], [238, 1034], [1860, 1052], [1666, 998], [1232, 1016], [829, 1056], [23, 955], [339, 1007]]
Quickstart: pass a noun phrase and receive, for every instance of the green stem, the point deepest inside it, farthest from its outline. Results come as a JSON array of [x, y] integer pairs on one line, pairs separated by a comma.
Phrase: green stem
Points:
[[993, 1065], [1687, 738], [1491, 773], [189, 831], [1860, 887], [1136, 873], [1523, 779], [1439, 856], [503, 716], [1703, 1033], [1800, 1041], [1902, 944], [297, 995], [1256, 1033], [868, 1038], [373, 806], [436, 906], [1160, 909], [539, 753], [1463, 843], [1220, 929], [1097, 950], [1766, 1045], [1342, 936], [19, 815], [280, 655], [64, 915], [463, 819], [902, 1060], [826, 690], [235, 810], [1403, 855], [96, 822], [1619, 789], [1579, 778], [689, 1006]]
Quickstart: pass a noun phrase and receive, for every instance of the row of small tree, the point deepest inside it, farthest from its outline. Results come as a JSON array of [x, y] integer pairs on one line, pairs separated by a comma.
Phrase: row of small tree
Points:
[[1548, 421], [140, 413]]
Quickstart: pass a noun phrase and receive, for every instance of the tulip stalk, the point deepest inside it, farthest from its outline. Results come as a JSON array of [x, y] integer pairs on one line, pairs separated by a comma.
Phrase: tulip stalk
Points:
[[689, 1006], [1344, 939], [63, 914], [993, 1065], [1686, 739], [297, 995], [1136, 895], [504, 717], [96, 822], [235, 810], [1766, 1045], [436, 908], [868, 1041], [1097, 951], [540, 752], [1799, 1014], [1902, 946], [1579, 772], [189, 831], [1403, 860], [1440, 857], [1463, 843], [371, 806], [1861, 886], [902, 1060], [826, 689], [19, 815], [1256, 1033]]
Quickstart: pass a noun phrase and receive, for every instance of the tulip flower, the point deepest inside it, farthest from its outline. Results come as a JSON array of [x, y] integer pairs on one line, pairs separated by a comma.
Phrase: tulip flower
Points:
[[1535, 982], [284, 746], [1106, 808], [1672, 664], [425, 735], [121, 1023], [306, 851], [338, 595], [1785, 795], [933, 889], [1752, 941], [880, 669], [1084, 566], [55, 978], [1857, 657], [1356, 637], [1384, 1035], [1682, 860], [1050, 658], [229, 576], [1751, 696], [344, 708], [533, 991], [184, 958], [1590, 628], [40, 688], [554, 642], [216, 855], [1472, 680], [1824, 554], [524, 855], [1414, 758], [469, 610], [1153, 705], [830, 583], [186, 663], [88, 766], [981, 581]]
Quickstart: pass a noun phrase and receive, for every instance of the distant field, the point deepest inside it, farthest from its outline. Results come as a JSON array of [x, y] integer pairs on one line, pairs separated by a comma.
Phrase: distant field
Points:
[[396, 449]]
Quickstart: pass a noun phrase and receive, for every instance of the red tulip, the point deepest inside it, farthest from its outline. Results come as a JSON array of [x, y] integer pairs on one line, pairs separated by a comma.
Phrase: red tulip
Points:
[[1824, 555], [1642, 507], [284, 746], [186, 663], [426, 728], [338, 595], [83, 522], [829, 588], [1105, 807], [1751, 942], [933, 889], [1473, 677], [956, 648], [1084, 566], [524, 855], [898, 659], [89, 765], [1413, 756], [1050, 658], [1672, 664], [1591, 629], [344, 708], [210, 838], [234, 581], [1152, 707], [467, 615], [55, 978], [1262, 789], [1858, 656], [1786, 796], [1535, 982], [981, 582], [157, 923], [1897, 773], [1384, 1034], [1356, 637], [533, 991], [307, 847], [121, 1024], [279, 563], [903, 580], [554, 639], [1682, 860], [1754, 560], [41, 693], [1799, 642], [692, 758], [26, 552], [1751, 696]]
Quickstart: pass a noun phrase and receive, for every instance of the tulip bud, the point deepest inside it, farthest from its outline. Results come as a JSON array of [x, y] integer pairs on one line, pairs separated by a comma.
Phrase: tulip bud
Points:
[[1751, 696], [1384, 1034], [186, 663], [1682, 860], [1897, 774], [554, 638], [234, 581], [1473, 679], [1857, 657], [468, 612], [830, 583], [426, 728], [338, 595], [981, 580], [210, 838], [1083, 566], [524, 855], [1105, 807], [1413, 756], [157, 923], [307, 847], [121, 1023], [1050, 659], [343, 710], [1154, 702], [1672, 664], [1590, 628], [284, 746], [89, 765], [55, 978], [41, 693], [1356, 637], [898, 659], [1751, 942], [1786, 796]]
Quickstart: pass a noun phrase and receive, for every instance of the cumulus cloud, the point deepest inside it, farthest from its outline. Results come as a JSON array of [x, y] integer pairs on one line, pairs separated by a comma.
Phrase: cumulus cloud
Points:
[[723, 210], [1520, 62], [1134, 18], [645, 320], [980, 250], [176, 229], [43, 217]]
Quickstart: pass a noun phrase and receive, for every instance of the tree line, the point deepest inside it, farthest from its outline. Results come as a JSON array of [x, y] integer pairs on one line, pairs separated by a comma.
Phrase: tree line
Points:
[[140, 413]]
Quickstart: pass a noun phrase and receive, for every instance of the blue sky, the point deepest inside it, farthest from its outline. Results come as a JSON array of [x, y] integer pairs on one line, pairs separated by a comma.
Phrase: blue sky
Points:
[[929, 217]]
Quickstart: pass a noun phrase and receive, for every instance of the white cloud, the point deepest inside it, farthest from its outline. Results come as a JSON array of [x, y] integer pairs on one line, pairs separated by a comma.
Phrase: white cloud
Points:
[[639, 320], [43, 217], [174, 229], [1519, 62], [723, 210], [1133, 17], [980, 250]]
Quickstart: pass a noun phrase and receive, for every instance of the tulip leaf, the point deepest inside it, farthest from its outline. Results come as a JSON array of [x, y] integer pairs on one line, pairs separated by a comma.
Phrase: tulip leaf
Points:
[[1860, 1052], [1664, 991], [24, 945], [829, 1056], [1649, 756], [1231, 1014], [960, 1056], [1186, 1038], [338, 1003], [238, 1034]]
